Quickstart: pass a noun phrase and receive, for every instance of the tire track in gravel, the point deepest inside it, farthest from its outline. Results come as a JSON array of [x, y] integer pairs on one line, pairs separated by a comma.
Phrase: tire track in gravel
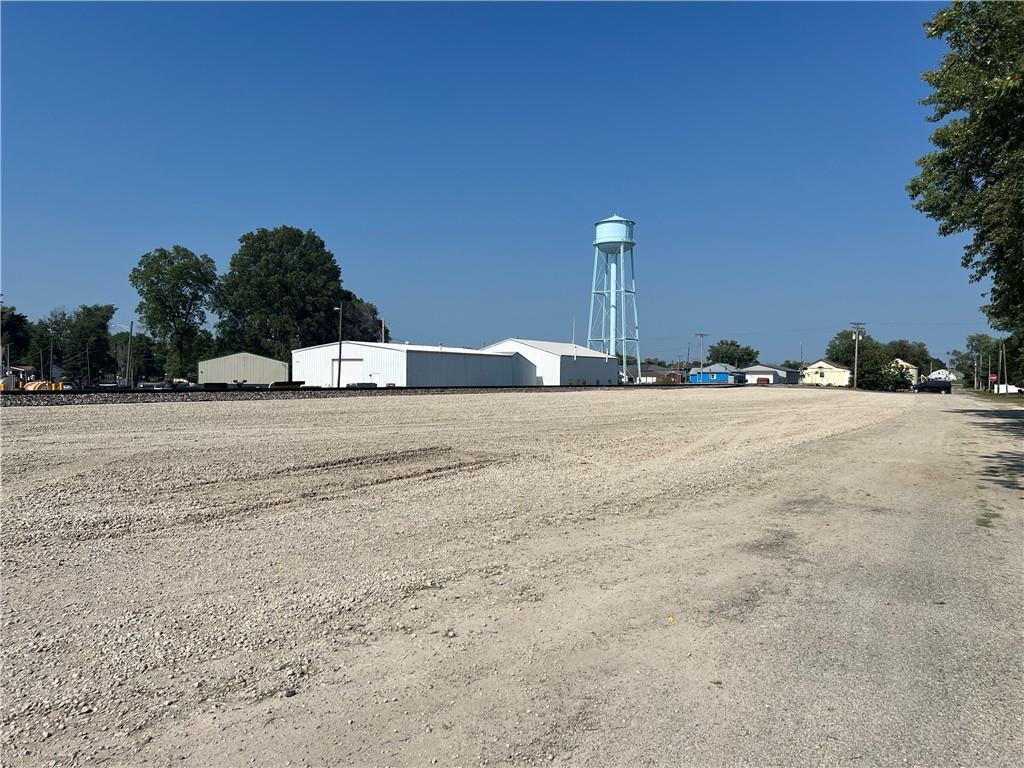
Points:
[[218, 502]]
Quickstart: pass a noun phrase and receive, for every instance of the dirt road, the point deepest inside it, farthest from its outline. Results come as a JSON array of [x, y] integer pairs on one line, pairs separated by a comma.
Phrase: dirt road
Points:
[[738, 577]]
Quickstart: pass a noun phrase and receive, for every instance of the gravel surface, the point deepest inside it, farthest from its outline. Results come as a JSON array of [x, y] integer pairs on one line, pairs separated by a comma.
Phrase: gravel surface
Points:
[[757, 577]]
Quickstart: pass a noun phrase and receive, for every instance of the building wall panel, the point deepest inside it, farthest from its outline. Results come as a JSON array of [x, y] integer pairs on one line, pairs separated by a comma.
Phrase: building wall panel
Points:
[[253, 369]]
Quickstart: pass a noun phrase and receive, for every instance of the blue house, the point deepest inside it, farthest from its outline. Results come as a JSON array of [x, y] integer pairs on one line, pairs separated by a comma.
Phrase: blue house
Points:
[[717, 373]]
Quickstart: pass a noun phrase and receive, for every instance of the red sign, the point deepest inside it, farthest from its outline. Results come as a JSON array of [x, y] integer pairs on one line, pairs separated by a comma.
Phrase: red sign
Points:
[[993, 377]]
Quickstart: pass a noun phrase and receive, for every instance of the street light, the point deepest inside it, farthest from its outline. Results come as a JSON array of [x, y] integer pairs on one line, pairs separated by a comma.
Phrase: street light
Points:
[[128, 362], [338, 309]]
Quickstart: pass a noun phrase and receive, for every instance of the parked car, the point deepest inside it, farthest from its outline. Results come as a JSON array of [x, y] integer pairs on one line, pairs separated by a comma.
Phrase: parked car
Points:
[[934, 385]]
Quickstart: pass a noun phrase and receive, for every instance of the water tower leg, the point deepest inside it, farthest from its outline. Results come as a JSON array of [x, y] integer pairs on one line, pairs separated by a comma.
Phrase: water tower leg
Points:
[[621, 287], [613, 288], [636, 321], [593, 291]]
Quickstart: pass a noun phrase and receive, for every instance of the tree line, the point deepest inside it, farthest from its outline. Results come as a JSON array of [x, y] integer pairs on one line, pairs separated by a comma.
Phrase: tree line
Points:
[[279, 293], [973, 181], [874, 360]]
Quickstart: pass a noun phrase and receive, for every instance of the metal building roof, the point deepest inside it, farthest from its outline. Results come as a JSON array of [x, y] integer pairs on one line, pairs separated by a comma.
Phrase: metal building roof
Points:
[[555, 348], [408, 347]]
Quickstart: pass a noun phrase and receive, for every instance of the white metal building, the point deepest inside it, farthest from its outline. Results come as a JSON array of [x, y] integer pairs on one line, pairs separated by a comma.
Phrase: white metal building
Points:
[[558, 363], [769, 374], [242, 366], [409, 365]]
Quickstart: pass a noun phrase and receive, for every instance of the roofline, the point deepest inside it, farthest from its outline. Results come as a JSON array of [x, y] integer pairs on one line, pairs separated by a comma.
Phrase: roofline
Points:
[[541, 349], [395, 346], [833, 363], [251, 354]]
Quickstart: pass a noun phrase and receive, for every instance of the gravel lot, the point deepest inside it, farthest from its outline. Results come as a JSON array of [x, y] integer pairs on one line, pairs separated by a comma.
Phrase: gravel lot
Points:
[[741, 577]]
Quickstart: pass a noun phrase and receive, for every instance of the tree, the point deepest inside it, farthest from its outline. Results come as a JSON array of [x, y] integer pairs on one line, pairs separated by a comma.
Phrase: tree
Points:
[[733, 353], [656, 361], [15, 334], [280, 292], [87, 356], [795, 364], [149, 357], [890, 378], [871, 358], [175, 288], [981, 348], [913, 352], [974, 181], [50, 337]]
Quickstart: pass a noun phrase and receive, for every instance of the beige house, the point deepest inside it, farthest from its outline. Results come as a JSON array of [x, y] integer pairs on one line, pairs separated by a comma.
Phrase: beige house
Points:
[[910, 368], [826, 373]]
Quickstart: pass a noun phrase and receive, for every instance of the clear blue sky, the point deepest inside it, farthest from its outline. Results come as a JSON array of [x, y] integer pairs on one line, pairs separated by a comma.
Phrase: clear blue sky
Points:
[[454, 158]]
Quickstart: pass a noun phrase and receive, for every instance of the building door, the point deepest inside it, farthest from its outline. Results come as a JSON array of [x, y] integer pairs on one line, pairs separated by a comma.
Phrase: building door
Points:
[[351, 370]]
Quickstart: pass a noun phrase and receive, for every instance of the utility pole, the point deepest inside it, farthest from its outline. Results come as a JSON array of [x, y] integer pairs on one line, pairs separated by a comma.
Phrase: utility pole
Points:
[[51, 358], [688, 361], [128, 365], [858, 332], [700, 376], [341, 304], [382, 330], [988, 379], [801, 356]]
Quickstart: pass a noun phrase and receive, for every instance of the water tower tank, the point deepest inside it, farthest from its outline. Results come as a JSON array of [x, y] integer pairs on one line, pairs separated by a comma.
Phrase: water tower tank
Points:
[[614, 232]]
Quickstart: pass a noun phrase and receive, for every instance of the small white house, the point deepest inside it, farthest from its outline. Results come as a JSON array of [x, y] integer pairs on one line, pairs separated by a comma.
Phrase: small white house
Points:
[[409, 365], [558, 363], [826, 373]]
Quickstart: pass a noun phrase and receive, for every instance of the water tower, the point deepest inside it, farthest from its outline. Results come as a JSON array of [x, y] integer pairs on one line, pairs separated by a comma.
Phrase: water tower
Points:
[[614, 329]]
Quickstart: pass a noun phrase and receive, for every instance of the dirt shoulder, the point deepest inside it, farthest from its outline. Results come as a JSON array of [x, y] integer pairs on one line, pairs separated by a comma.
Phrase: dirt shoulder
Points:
[[745, 577]]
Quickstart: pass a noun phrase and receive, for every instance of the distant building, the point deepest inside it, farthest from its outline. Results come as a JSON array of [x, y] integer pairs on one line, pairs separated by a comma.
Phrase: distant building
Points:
[[410, 365], [253, 369], [561, 364], [826, 373], [653, 374], [717, 373], [769, 374], [910, 368]]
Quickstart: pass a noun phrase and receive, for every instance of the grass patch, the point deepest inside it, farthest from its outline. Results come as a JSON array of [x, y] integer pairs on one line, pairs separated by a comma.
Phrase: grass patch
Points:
[[985, 519], [1007, 401]]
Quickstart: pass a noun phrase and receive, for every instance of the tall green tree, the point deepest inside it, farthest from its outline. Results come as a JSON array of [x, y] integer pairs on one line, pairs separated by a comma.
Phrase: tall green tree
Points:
[[872, 358], [87, 356], [50, 337], [733, 353], [982, 349], [913, 352], [175, 287], [280, 292], [148, 356], [15, 334], [974, 180]]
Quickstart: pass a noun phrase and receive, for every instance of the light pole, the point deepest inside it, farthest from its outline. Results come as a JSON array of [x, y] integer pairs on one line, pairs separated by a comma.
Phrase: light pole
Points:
[[858, 333], [338, 308], [700, 376], [128, 361]]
